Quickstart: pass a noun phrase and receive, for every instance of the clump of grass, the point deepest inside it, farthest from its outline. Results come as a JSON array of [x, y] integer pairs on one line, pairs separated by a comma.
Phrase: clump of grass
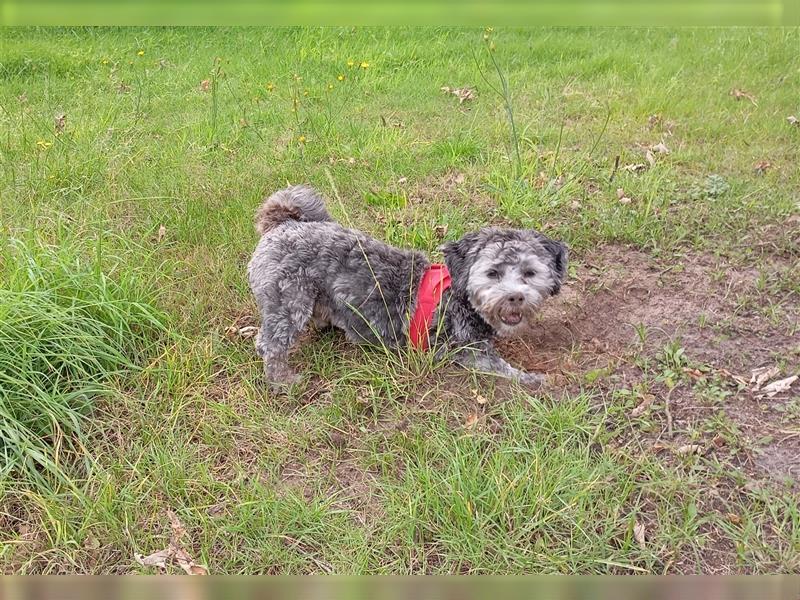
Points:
[[66, 330]]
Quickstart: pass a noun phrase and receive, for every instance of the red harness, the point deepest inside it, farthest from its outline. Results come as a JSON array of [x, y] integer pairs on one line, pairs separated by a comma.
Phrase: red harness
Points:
[[434, 282]]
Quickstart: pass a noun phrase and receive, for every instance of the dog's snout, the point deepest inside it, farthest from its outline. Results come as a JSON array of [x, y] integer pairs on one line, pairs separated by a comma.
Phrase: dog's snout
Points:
[[515, 299]]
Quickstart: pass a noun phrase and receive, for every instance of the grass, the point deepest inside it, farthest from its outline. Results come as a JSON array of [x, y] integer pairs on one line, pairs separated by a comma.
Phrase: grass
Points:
[[370, 468]]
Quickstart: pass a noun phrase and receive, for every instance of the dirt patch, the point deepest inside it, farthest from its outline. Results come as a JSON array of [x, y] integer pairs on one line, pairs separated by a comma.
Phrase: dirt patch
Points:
[[622, 308]]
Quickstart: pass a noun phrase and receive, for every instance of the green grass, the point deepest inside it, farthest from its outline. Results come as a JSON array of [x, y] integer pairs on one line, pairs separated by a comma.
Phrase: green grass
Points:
[[370, 469]]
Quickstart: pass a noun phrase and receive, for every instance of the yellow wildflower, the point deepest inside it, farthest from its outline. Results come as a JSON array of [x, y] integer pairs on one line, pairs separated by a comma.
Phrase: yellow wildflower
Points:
[[340, 77], [270, 86], [350, 63], [302, 139], [104, 61], [140, 53], [364, 65], [330, 86], [305, 92], [43, 144]]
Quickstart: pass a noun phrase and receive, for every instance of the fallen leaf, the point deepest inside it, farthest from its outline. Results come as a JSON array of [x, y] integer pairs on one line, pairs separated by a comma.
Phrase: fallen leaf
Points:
[[740, 381], [459, 178], [793, 120], [650, 158], [639, 534], [646, 402], [205, 85], [734, 518], [762, 375], [693, 373], [248, 332], [761, 167], [162, 231], [739, 94], [777, 387], [217, 510], [91, 543], [718, 441], [440, 231], [157, 559], [186, 563], [480, 399], [60, 122], [575, 205], [463, 94], [653, 120], [402, 180], [620, 193], [689, 449], [123, 88], [660, 148], [472, 420], [634, 168], [178, 530]]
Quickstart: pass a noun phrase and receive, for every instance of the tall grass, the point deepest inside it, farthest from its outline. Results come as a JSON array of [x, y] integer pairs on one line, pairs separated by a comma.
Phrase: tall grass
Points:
[[66, 330]]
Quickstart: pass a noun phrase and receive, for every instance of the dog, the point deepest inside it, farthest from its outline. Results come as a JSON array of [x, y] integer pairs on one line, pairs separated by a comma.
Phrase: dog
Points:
[[307, 268]]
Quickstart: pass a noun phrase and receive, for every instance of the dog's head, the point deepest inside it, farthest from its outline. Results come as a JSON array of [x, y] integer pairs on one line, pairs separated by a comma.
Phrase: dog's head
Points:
[[506, 274]]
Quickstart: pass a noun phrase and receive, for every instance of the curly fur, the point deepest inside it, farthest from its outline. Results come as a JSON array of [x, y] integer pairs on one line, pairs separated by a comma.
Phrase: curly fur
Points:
[[307, 267]]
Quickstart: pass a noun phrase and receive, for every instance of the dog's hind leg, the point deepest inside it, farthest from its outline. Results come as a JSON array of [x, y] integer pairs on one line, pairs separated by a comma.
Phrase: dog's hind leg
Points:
[[283, 320]]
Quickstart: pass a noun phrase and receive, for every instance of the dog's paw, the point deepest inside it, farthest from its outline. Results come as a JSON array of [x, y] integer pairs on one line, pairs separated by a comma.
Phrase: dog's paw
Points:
[[531, 380]]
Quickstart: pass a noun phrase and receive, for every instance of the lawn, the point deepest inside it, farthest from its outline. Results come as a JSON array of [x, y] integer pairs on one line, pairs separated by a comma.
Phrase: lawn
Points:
[[133, 416]]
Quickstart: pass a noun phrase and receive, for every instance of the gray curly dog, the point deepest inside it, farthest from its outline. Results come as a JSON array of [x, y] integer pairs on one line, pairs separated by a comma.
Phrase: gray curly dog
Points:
[[308, 268]]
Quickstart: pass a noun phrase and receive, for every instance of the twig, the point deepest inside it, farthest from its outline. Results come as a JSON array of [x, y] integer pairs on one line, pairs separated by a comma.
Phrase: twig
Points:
[[614, 170]]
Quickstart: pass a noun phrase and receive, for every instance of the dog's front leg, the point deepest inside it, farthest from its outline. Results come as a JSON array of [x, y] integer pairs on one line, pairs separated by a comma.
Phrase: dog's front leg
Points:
[[485, 359]]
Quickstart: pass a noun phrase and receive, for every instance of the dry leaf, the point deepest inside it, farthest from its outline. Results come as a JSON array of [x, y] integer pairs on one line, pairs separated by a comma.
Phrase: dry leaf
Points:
[[639, 534], [660, 148], [91, 543], [402, 180], [740, 381], [463, 94], [162, 231], [739, 94], [761, 167], [646, 402], [793, 120], [734, 518], [693, 373], [60, 122], [440, 231], [205, 85], [778, 387], [157, 559], [575, 205], [123, 88], [689, 449], [459, 178], [186, 563], [634, 168], [762, 375], [472, 420], [248, 332], [478, 397], [620, 193], [650, 158], [178, 530], [653, 120]]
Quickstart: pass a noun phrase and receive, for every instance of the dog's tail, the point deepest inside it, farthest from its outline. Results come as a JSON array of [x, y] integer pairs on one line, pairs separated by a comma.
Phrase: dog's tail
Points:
[[295, 203]]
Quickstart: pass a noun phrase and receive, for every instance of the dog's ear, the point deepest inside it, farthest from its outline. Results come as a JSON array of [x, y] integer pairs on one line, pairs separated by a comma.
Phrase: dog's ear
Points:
[[459, 257], [560, 254]]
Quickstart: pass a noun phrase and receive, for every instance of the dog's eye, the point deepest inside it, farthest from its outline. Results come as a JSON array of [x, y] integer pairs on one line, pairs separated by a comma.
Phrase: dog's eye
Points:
[[529, 274], [493, 274]]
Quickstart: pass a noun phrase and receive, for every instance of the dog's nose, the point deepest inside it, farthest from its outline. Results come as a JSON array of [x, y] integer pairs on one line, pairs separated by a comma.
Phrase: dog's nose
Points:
[[515, 299]]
